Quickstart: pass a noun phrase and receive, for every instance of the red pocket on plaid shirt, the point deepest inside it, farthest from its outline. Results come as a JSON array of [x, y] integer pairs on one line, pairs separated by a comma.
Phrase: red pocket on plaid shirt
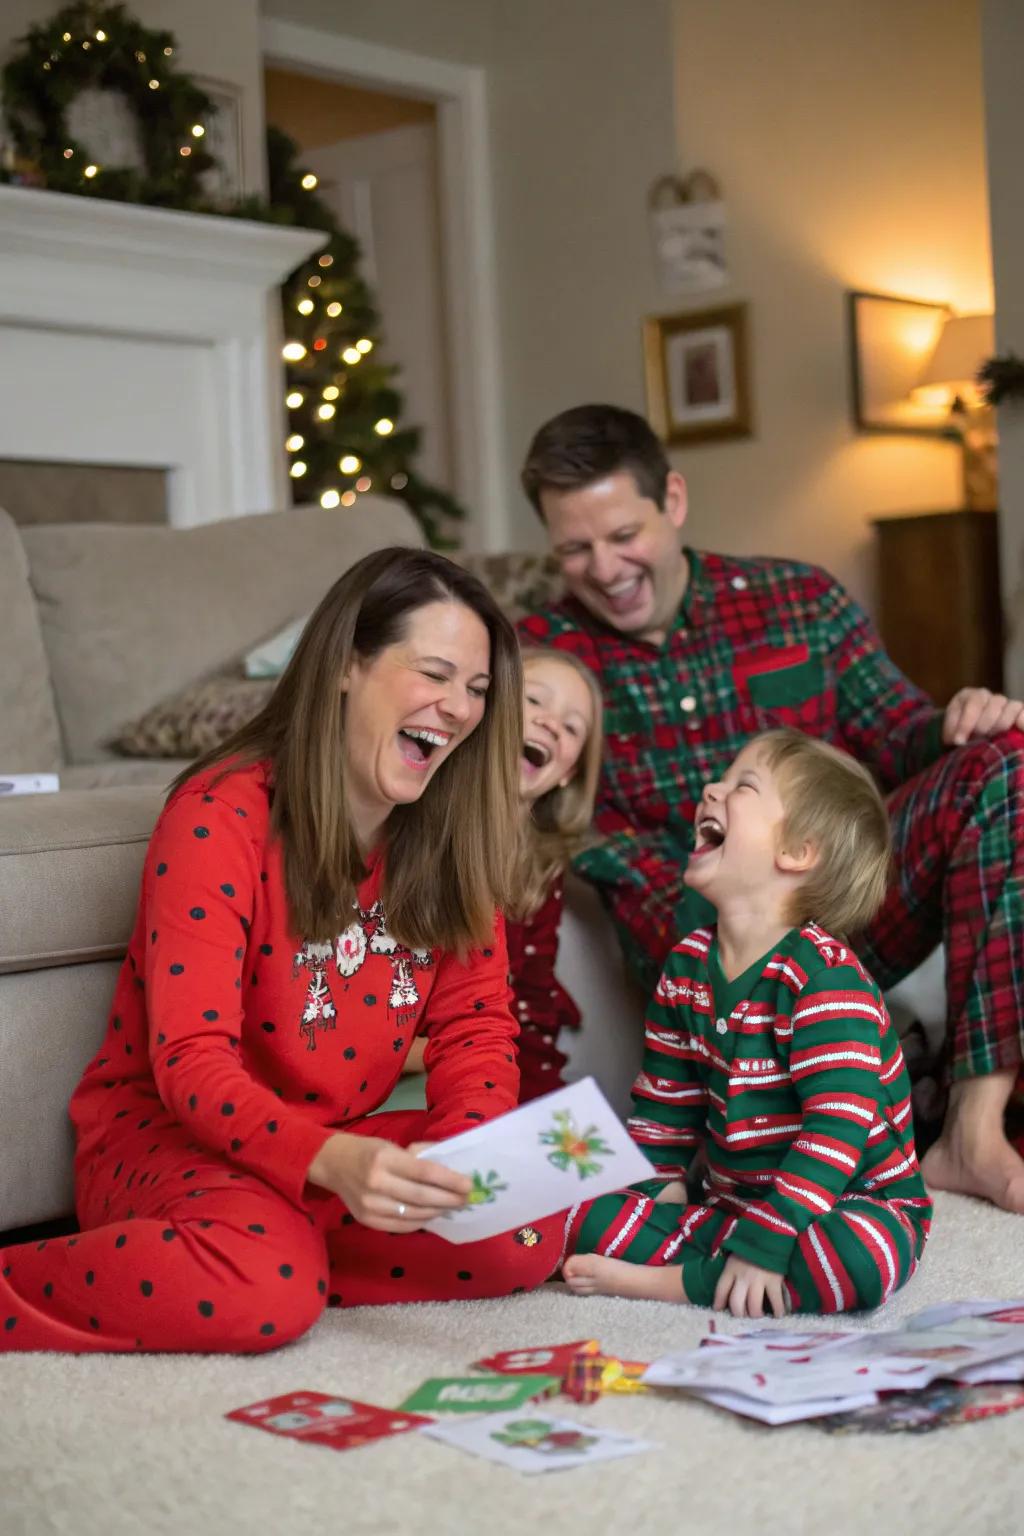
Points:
[[784, 685]]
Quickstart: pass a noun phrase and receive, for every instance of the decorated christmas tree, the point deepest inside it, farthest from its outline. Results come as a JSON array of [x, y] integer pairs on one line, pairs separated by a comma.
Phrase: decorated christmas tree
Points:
[[345, 434]]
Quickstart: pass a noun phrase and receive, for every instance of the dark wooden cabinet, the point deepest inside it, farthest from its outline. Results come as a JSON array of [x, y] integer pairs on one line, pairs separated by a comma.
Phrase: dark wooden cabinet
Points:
[[939, 603]]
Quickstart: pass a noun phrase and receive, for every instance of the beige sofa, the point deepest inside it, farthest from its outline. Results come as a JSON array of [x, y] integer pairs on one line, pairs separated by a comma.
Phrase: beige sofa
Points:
[[99, 622]]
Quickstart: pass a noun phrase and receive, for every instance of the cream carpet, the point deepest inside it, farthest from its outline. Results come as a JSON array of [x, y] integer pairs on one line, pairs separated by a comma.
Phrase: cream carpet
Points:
[[105, 1444]]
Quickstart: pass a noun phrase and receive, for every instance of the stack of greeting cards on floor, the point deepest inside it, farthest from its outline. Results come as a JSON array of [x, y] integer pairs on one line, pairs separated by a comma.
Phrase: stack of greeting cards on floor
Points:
[[780, 1377]]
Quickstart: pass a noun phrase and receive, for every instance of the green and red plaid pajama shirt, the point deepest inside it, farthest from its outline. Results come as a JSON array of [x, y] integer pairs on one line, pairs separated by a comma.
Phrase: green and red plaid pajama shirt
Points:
[[761, 643], [792, 1078]]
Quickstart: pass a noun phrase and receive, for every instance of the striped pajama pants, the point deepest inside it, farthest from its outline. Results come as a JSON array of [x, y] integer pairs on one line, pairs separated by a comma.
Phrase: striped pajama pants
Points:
[[854, 1258]]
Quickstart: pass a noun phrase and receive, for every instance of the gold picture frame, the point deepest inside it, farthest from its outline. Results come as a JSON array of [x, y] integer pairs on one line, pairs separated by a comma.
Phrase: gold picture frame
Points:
[[698, 368]]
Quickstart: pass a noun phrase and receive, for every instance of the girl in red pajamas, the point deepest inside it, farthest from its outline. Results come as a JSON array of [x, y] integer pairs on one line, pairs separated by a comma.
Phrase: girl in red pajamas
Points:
[[558, 772], [315, 892]]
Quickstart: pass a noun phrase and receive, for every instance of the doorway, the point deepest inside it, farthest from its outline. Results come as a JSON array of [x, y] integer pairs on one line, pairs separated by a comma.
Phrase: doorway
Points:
[[400, 142], [375, 155]]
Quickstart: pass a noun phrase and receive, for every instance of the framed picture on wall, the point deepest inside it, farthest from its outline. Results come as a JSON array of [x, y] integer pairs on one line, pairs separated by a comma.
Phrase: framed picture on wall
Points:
[[891, 339], [697, 370]]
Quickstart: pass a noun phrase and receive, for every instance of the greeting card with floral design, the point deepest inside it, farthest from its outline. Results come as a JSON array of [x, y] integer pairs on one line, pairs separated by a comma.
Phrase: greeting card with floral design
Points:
[[543, 1157]]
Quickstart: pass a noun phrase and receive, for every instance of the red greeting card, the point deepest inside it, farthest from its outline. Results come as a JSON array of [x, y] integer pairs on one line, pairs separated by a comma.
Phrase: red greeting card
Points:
[[340, 1422]]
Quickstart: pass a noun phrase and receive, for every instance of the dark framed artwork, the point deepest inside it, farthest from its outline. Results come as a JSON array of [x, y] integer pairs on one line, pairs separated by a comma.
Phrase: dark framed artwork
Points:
[[891, 340]]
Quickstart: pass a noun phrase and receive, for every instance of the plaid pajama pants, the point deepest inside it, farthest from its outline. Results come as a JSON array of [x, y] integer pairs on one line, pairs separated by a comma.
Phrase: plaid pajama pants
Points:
[[958, 836]]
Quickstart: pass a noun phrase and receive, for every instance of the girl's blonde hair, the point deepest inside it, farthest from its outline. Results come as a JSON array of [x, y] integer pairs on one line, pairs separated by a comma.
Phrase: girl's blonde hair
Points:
[[558, 824], [450, 855], [832, 802]]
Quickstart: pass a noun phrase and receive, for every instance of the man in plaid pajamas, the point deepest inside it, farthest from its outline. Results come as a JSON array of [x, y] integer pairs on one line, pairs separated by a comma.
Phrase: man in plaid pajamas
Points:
[[696, 652]]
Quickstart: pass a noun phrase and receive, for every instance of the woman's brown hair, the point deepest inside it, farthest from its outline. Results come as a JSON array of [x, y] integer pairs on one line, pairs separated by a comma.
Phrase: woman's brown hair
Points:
[[558, 824], [450, 855]]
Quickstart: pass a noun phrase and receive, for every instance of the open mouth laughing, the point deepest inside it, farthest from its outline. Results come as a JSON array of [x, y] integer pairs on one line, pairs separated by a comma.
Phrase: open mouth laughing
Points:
[[623, 596], [536, 755], [418, 743], [710, 835]]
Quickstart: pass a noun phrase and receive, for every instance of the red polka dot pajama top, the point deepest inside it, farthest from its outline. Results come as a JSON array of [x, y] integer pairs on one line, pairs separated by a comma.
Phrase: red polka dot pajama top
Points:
[[234, 1050]]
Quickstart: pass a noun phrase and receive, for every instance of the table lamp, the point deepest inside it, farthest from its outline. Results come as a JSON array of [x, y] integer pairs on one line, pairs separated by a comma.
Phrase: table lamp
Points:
[[950, 375]]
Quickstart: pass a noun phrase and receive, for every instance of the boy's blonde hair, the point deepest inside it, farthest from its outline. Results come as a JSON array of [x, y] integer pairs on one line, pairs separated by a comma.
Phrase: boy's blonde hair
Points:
[[833, 803], [559, 822]]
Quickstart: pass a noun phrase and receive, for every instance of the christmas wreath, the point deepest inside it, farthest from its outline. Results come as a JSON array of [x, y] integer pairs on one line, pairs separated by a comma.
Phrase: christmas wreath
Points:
[[345, 437], [102, 48]]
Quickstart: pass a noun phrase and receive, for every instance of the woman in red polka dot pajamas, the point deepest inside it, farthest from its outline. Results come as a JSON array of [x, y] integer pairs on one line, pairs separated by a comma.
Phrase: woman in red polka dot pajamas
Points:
[[313, 893]]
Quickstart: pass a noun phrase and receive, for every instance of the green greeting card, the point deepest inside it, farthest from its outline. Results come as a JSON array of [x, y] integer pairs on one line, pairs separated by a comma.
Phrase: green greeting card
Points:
[[478, 1394]]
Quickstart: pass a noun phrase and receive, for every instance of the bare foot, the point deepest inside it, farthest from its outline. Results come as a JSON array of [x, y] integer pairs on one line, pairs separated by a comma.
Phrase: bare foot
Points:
[[973, 1156], [590, 1274]]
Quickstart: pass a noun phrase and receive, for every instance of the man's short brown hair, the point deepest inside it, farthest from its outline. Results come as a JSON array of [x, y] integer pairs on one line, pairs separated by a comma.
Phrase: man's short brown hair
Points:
[[590, 442]]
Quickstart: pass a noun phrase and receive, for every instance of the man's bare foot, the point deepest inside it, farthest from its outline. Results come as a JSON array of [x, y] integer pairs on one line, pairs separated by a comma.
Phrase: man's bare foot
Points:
[[590, 1274], [674, 1193], [973, 1156]]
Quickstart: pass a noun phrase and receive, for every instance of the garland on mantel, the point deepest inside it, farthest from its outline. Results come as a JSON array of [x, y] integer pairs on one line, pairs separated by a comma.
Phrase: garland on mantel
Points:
[[344, 436]]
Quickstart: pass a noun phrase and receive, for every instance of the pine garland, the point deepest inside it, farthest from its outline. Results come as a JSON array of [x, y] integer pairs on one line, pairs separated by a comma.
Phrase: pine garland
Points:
[[343, 405]]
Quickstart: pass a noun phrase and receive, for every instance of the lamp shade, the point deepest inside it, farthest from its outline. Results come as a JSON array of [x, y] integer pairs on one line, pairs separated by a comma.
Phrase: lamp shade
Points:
[[964, 343]]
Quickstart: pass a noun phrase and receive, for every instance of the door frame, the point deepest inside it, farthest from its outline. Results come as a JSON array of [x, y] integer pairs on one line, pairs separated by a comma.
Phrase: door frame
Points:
[[459, 93]]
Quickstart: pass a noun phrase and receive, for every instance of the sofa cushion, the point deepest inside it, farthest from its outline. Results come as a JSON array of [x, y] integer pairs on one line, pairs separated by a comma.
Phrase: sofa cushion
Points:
[[518, 582], [69, 874], [116, 771], [130, 615], [54, 1022], [195, 720], [29, 732]]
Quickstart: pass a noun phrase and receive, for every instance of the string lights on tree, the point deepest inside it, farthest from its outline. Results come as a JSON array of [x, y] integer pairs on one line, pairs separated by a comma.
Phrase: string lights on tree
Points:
[[345, 436]]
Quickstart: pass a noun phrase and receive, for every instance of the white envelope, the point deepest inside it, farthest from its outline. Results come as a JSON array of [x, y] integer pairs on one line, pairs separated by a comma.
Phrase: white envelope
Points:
[[543, 1157]]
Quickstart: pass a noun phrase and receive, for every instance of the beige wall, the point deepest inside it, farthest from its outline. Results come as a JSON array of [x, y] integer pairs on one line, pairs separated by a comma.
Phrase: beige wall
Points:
[[849, 143], [217, 39], [1004, 97]]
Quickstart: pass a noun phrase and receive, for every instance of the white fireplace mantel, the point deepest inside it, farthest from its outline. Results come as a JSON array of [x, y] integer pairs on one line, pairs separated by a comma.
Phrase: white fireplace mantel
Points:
[[132, 335]]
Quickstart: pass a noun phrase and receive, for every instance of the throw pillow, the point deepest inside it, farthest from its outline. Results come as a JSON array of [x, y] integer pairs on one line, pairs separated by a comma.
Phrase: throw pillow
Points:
[[270, 657], [195, 720]]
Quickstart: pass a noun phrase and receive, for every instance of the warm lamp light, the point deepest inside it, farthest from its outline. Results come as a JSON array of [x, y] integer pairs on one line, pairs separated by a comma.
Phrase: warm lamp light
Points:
[[950, 374], [963, 345]]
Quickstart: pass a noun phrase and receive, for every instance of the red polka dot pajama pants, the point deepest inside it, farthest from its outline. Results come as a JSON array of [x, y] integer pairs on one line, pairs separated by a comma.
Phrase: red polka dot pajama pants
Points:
[[181, 1251]]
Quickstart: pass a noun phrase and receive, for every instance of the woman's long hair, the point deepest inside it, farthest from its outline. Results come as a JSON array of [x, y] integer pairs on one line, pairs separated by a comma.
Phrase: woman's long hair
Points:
[[559, 823], [450, 855]]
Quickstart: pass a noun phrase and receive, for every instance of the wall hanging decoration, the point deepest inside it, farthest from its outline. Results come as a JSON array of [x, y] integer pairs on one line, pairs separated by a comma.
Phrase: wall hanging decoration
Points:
[[687, 218]]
